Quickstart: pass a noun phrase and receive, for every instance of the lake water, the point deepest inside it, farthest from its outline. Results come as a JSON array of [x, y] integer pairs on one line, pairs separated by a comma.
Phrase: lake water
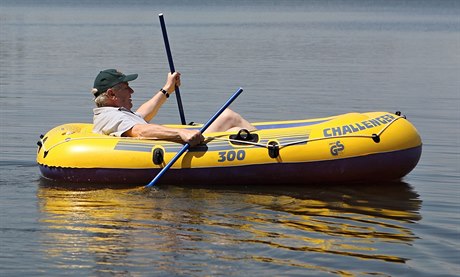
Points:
[[294, 59]]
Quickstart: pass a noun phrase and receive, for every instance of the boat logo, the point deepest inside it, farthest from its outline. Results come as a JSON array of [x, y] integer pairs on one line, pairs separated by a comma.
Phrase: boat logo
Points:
[[336, 148], [358, 126]]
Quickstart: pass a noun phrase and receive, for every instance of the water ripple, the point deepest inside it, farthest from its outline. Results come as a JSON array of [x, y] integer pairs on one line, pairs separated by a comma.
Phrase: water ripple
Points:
[[226, 225]]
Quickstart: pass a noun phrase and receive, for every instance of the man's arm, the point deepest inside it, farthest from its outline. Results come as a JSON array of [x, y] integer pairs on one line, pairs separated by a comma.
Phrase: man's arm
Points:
[[155, 131], [150, 108]]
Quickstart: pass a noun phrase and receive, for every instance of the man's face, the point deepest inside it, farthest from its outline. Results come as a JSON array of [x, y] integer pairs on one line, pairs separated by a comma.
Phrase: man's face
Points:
[[122, 93]]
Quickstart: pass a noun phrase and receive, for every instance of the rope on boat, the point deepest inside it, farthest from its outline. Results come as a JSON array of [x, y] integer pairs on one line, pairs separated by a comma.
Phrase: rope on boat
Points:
[[375, 137], [82, 138]]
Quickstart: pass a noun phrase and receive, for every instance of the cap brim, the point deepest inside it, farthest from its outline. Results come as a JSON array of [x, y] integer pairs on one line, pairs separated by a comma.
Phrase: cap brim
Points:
[[130, 77]]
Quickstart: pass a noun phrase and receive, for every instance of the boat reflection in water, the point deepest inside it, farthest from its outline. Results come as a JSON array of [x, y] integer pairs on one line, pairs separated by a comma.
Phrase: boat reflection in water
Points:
[[183, 230]]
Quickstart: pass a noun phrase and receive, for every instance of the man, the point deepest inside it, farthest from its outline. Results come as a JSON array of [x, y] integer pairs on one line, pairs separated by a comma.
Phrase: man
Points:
[[113, 115]]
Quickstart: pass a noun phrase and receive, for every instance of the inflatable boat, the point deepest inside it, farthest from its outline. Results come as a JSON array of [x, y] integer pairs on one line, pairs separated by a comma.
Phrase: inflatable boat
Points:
[[348, 148]]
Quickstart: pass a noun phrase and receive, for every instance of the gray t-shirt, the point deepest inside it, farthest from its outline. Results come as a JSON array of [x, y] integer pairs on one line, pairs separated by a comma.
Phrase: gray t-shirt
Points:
[[115, 121]]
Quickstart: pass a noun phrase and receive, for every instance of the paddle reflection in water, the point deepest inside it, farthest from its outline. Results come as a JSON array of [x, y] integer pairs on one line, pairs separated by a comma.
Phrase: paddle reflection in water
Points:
[[184, 230]]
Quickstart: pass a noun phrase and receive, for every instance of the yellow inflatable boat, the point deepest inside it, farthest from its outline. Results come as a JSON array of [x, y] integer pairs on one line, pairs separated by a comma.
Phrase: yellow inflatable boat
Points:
[[353, 147]]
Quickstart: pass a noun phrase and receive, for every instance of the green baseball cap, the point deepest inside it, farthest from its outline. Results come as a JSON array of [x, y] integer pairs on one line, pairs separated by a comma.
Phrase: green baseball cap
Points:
[[109, 78]]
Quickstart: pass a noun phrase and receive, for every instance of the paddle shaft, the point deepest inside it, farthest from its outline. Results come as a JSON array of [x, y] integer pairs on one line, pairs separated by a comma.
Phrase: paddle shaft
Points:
[[187, 146], [171, 67]]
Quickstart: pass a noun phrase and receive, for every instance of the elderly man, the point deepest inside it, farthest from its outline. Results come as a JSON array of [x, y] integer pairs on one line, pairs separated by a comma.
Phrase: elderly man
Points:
[[113, 115]]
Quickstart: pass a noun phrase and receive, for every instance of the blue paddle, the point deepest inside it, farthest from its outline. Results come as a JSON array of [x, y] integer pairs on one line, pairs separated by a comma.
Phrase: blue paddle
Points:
[[187, 146], [171, 67]]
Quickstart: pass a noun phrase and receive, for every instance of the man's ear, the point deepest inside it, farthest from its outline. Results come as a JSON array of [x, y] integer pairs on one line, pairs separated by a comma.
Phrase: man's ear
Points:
[[110, 93]]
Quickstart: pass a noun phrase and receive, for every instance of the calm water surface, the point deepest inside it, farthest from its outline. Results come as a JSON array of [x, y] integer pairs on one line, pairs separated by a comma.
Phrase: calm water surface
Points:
[[295, 59]]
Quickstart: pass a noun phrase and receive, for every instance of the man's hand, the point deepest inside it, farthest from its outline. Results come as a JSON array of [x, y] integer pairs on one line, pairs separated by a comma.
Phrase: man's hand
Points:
[[172, 82], [192, 137]]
